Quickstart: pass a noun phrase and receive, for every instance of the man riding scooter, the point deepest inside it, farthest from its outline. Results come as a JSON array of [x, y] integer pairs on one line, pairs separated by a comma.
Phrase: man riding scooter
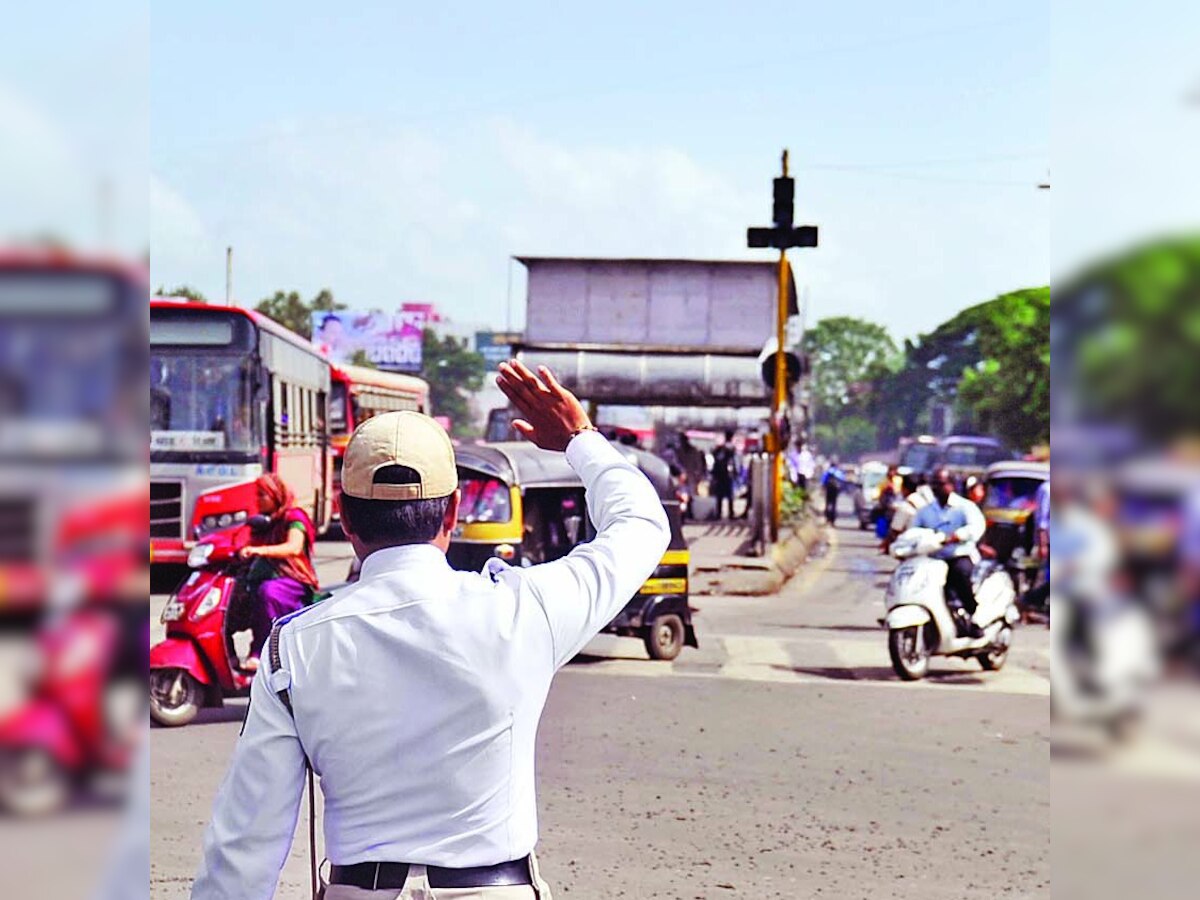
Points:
[[963, 524]]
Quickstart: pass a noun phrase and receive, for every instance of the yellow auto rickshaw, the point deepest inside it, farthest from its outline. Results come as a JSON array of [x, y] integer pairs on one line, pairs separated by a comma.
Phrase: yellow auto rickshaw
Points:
[[526, 506]]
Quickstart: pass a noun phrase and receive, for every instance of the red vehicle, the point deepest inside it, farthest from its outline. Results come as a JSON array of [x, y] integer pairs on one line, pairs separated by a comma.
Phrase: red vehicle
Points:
[[72, 404], [233, 395], [196, 665], [64, 733], [357, 393]]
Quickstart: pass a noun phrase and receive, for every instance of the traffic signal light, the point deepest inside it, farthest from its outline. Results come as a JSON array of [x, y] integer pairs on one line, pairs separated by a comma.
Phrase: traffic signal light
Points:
[[784, 210]]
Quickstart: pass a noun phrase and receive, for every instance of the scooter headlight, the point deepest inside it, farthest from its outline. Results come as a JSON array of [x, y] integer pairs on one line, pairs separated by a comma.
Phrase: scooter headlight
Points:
[[198, 555], [210, 602]]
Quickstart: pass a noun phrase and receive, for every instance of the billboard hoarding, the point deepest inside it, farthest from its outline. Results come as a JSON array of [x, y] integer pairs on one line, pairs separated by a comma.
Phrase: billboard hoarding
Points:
[[390, 341]]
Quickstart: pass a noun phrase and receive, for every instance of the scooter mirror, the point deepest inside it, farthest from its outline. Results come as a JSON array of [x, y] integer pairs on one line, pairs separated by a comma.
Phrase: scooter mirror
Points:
[[259, 523]]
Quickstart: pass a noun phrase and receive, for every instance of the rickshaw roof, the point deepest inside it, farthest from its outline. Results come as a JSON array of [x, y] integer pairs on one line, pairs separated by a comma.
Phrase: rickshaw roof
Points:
[[1016, 468], [526, 464]]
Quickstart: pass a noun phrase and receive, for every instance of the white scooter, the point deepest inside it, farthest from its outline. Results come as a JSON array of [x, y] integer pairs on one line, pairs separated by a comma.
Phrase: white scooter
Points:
[[1103, 661], [920, 620]]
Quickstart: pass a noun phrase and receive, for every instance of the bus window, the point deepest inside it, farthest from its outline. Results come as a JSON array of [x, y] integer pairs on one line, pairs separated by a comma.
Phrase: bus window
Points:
[[338, 423]]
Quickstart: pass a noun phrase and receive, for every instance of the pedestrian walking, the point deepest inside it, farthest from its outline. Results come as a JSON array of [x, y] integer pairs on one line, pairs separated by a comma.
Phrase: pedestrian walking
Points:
[[832, 481], [724, 470], [415, 694]]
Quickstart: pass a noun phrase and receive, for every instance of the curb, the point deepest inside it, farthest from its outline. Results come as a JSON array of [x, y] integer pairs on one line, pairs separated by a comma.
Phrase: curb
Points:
[[759, 580]]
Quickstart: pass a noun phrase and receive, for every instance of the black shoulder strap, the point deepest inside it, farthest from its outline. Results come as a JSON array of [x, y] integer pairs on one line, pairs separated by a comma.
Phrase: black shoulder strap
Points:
[[285, 696], [277, 663]]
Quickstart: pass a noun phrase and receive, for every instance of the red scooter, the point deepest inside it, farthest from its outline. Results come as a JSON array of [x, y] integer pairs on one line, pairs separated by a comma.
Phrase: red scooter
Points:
[[197, 665], [67, 731]]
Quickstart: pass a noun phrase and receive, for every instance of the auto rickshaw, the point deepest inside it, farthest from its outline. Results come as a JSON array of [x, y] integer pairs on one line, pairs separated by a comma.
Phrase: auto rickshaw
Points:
[[526, 506], [1010, 508]]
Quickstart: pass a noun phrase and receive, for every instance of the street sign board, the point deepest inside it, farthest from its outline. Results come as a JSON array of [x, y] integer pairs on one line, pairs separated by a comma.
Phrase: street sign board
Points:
[[688, 305]]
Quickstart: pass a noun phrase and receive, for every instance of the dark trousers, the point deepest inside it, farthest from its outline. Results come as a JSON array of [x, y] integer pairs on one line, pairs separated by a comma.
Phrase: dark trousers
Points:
[[958, 580], [724, 494], [831, 498]]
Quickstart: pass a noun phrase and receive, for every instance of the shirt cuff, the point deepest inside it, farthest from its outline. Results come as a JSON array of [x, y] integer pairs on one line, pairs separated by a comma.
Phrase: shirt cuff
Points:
[[584, 446]]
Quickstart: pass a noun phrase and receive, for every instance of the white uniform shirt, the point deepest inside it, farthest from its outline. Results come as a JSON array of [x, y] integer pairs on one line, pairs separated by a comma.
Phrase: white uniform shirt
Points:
[[417, 694]]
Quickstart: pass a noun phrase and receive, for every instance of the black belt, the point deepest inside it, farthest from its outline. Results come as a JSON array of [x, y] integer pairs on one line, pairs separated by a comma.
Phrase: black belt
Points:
[[391, 876]]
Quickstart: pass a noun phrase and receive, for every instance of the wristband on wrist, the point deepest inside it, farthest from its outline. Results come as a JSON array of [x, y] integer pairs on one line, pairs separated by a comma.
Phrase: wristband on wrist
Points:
[[588, 427]]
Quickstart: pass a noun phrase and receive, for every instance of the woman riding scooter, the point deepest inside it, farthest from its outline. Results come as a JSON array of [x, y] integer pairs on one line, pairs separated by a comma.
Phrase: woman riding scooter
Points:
[[285, 580]]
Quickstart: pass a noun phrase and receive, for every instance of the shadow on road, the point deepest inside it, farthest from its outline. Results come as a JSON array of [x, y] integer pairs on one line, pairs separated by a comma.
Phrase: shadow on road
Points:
[[214, 715], [877, 673], [873, 629]]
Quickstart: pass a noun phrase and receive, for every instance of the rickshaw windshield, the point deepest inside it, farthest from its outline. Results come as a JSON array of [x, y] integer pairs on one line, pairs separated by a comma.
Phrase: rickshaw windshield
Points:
[[483, 499], [1012, 493]]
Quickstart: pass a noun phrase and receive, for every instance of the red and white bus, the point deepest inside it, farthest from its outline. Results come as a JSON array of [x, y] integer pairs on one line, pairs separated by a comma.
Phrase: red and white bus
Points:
[[357, 394], [72, 409], [233, 394]]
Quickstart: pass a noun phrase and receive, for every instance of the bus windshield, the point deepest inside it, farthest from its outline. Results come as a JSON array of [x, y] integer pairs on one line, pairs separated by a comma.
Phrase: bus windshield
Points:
[[70, 380], [919, 457], [202, 402]]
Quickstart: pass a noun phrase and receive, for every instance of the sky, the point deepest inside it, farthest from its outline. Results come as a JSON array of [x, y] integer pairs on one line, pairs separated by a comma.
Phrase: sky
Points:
[[400, 153]]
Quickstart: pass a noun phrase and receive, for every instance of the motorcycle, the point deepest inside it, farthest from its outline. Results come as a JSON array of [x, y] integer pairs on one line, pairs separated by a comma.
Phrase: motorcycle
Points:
[[921, 617], [79, 722], [1103, 660], [196, 665]]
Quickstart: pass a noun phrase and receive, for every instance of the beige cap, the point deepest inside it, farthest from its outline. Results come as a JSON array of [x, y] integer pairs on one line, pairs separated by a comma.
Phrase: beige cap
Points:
[[399, 439]]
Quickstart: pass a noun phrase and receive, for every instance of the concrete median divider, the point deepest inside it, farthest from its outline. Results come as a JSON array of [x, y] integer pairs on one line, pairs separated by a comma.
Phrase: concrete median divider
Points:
[[737, 575]]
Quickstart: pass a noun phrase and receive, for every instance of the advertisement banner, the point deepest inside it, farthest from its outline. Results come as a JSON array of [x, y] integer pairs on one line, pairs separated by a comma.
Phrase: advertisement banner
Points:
[[493, 351], [390, 341]]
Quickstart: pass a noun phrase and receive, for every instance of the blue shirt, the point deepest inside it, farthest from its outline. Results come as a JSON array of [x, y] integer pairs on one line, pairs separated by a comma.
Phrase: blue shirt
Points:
[[958, 517]]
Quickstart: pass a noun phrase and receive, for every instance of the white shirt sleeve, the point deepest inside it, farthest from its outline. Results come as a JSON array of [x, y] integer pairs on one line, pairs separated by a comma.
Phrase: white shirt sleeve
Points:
[[257, 806], [583, 591], [976, 525]]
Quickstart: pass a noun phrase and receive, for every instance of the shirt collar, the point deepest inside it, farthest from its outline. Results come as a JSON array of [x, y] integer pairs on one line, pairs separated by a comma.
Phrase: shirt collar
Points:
[[408, 556]]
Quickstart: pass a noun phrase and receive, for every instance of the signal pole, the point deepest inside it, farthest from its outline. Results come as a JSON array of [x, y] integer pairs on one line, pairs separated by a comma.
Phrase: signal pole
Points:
[[781, 236]]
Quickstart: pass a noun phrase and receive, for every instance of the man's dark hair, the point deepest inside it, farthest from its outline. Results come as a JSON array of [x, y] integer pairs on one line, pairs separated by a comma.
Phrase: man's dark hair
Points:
[[394, 523], [908, 484], [729, 434]]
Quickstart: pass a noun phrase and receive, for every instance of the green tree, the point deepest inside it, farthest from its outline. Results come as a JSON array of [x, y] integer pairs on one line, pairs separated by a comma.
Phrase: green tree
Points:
[[845, 353], [454, 373], [1127, 346], [184, 290], [360, 358], [1008, 392], [846, 437], [292, 311]]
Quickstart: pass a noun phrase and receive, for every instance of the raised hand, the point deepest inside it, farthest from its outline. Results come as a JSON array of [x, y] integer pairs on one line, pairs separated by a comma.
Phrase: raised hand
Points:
[[551, 413]]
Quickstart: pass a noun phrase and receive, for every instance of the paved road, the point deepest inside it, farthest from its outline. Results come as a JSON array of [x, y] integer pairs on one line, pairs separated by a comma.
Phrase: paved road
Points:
[[782, 759]]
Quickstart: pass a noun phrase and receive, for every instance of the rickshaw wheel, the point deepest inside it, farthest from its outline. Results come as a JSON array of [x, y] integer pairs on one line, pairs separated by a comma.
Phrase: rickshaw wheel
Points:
[[664, 637]]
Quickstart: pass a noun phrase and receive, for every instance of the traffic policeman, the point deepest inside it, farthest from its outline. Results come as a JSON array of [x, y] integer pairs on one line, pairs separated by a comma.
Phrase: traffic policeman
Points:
[[416, 692]]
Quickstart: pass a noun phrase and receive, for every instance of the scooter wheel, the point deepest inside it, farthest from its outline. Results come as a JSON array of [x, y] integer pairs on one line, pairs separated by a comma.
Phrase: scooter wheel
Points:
[[993, 658], [175, 697], [910, 655], [32, 783]]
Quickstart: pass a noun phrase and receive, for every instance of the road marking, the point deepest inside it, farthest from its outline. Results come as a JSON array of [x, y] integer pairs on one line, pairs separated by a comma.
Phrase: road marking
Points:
[[822, 661]]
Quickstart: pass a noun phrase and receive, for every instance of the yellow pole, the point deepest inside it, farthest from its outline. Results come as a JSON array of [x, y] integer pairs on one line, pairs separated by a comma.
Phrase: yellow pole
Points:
[[780, 400]]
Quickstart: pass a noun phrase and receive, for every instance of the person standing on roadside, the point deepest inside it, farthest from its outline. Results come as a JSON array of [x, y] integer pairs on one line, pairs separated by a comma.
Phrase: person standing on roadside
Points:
[[416, 693], [832, 481], [724, 471]]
